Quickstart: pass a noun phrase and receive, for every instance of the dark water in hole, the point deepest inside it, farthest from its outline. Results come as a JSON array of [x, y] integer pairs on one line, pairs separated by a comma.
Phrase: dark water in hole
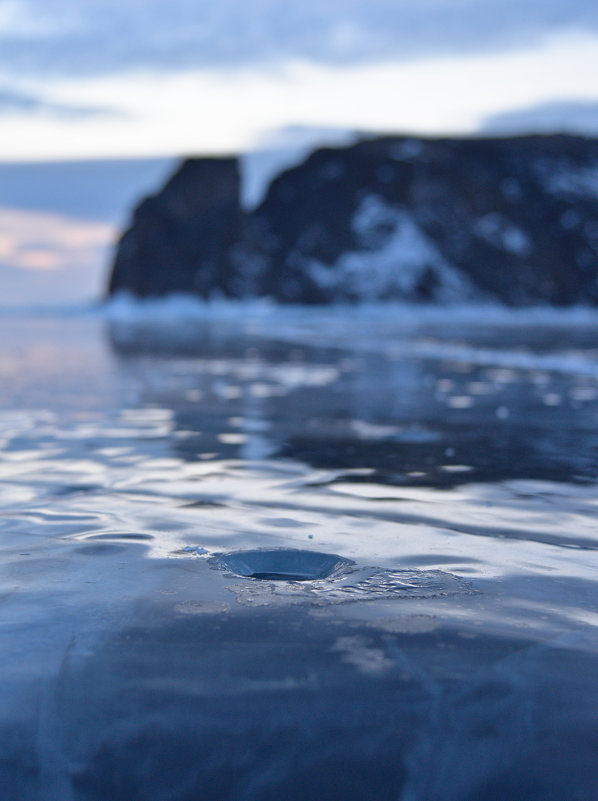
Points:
[[447, 649]]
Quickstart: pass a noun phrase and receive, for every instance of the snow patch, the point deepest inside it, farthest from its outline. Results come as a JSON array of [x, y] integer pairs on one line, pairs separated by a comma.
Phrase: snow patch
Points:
[[570, 219], [373, 221], [503, 234], [573, 182], [394, 260], [280, 151], [511, 189], [409, 150]]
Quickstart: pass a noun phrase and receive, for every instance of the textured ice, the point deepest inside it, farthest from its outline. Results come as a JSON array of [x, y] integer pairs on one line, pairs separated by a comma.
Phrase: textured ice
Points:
[[356, 585], [330, 578]]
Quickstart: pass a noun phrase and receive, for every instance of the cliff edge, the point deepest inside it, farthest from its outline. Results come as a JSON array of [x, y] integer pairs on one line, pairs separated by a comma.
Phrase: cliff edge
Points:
[[415, 219]]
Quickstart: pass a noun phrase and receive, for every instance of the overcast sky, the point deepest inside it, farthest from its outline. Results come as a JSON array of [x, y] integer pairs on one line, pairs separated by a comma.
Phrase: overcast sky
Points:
[[153, 77], [97, 37], [84, 79]]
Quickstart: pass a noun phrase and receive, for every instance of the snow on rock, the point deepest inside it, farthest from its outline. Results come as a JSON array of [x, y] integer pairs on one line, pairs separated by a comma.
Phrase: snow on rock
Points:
[[396, 260], [573, 182], [502, 233], [388, 218]]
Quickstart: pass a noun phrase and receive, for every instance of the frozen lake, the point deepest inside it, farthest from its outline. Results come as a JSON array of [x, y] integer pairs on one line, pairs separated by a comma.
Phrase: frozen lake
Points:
[[254, 554]]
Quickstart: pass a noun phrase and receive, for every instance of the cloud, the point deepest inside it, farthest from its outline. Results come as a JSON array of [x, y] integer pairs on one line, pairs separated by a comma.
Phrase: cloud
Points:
[[213, 111], [49, 258], [12, 102], [45, 241], [67, 37], [571, 116]]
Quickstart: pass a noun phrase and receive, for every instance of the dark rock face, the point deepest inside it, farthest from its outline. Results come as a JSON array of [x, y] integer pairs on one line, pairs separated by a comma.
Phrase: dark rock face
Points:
[[181, 240], [514, 220]]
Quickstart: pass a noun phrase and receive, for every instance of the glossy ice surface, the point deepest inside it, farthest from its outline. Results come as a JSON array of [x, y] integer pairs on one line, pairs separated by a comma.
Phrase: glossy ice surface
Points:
[[154, 470]]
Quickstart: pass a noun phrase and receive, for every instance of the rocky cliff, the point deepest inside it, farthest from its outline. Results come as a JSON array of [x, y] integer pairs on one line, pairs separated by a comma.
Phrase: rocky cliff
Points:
[[511, 219]]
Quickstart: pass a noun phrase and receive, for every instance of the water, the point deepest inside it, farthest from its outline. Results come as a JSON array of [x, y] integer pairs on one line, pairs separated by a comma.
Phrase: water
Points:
[[251, 553]]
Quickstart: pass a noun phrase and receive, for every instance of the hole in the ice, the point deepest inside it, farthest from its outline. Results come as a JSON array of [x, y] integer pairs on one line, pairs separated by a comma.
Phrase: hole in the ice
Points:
[[284, 565]]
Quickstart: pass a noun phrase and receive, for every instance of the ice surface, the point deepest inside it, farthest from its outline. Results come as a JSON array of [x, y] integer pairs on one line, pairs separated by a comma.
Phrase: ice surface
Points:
[[452, 657]]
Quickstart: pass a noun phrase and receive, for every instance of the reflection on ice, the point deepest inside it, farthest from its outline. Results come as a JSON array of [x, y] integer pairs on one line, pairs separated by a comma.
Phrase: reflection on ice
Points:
[[395, 398]]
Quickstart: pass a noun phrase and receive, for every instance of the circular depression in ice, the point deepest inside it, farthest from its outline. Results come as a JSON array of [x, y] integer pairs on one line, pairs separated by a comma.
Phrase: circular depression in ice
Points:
[[283, 564]]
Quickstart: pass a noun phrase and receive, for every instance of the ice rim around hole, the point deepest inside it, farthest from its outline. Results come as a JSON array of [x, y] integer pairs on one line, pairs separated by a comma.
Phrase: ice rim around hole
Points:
[[282, 564]]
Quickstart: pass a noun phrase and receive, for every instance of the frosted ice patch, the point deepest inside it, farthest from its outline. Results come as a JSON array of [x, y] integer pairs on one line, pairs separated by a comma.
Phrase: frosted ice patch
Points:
[[406, 624], [352, 585], [370, 584], [191, 550], [360, 653], [201, 608]]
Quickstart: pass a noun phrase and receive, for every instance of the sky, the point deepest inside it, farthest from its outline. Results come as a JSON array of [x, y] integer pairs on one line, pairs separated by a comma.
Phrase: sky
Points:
[[146, 78]]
